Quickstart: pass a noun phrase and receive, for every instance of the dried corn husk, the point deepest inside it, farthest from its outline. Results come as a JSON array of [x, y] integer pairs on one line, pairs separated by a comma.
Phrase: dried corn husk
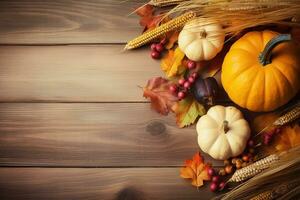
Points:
[[253, 169], [286, 170], [277, 191], [289, 115]]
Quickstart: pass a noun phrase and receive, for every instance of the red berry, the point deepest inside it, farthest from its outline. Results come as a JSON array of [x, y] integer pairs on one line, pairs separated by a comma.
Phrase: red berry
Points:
[[191, 79], [215, 179], [267, 139], [155, 55], [159, 47], [211, 171], [153, 47], [163, 41], [181, 95], [195, 75], [191, 64], [181, 81], [173, 88], [187, 85], [250, 143], [222, 185], [245, 158], [213, 187]]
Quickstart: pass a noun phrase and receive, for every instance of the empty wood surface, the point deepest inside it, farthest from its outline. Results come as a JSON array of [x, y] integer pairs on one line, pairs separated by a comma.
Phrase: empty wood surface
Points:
[[97, 183], [68, 21], [74, 73], [92, 134]]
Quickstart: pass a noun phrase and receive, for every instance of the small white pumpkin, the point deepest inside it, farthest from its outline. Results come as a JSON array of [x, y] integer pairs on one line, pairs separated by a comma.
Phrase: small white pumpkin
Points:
[[223, 132], [201, 39]]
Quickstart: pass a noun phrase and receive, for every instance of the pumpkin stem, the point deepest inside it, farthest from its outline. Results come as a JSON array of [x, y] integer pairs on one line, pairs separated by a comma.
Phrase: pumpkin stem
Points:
[[265, 56], [225, 126]]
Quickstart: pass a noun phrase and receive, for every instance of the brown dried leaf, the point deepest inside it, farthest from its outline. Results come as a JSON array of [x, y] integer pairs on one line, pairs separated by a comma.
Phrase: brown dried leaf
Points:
[[162, 100]]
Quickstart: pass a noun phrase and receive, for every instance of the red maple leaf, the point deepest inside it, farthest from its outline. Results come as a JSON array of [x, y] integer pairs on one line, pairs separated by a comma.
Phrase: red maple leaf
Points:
[[162, 100], [148, 19]]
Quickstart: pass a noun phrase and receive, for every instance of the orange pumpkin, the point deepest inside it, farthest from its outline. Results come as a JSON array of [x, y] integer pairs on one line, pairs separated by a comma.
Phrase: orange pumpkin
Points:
[[261, 71]]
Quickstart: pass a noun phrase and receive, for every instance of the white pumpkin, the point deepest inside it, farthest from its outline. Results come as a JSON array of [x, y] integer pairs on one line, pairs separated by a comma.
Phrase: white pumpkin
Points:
[[223, 132], [201, 39]]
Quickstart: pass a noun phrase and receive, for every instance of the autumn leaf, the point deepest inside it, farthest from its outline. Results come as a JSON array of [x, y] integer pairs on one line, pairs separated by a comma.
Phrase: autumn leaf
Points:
[[288, 138], [148, 19], [171, 63], [162, 100], [172, 39], [187, 111], [196, 170]]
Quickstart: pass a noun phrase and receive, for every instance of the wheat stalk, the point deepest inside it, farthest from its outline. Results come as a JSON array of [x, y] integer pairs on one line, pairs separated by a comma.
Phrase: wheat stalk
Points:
[[237, 15], [163, 3]]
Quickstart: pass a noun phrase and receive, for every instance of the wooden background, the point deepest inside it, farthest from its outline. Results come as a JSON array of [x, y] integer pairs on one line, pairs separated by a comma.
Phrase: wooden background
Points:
[[73, 122]]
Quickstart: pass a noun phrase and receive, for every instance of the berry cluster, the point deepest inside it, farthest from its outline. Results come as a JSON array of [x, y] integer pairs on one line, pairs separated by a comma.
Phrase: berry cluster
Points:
[[158, 48], [183, 86], [241, 161], [216, 183]]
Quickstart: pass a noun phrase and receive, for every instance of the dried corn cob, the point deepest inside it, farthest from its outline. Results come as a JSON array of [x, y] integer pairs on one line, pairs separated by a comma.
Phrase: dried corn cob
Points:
[[267, 195], [160, 30], [253, 169], [162, 3], [289, 116]]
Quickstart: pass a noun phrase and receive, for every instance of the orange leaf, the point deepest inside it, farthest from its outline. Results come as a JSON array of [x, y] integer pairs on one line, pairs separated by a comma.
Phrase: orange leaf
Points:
[[162, 100], [171, 63], [187, 111], [172, 39], [288, 138], [148, 19], [196, 170]]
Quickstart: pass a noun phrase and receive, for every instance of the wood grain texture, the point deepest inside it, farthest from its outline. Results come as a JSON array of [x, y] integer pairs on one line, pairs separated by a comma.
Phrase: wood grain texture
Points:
[[104, 184], [74, 73], [93, 134], [67, 21]]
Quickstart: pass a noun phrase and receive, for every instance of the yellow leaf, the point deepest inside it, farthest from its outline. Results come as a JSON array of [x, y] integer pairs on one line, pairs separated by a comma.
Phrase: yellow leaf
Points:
[[187, 111], [171, 62]]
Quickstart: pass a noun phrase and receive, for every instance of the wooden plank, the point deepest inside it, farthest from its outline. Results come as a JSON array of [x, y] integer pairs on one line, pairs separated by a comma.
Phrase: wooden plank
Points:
[[74, 73], [67, 21], [97, 183], [93, 134]]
